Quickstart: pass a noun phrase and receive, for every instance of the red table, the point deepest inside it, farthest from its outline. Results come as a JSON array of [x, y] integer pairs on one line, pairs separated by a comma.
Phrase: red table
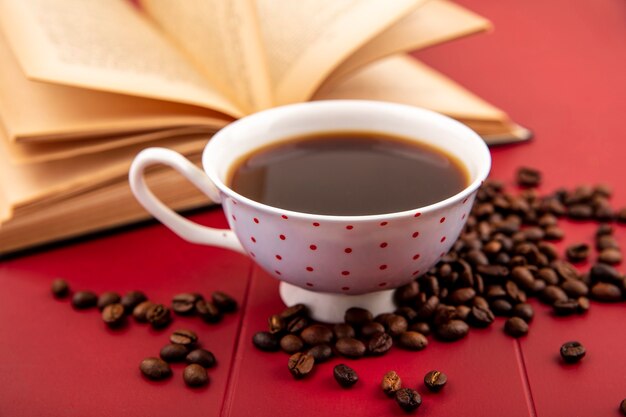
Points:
[[557, 66]]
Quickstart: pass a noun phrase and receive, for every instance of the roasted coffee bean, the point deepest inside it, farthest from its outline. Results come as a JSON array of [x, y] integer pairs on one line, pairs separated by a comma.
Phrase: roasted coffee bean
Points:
[[158, 316], [343, 330], [185, 303], [552, 294], [275, 324], [396, 325], [412, 341], [291, 343], [622, 405], [574, 288], [155, 369], [195, 375], [266, 341], [382, 317], [407, 293], [408, 399], [408, 313], [534, 234], [528, 177], [202, 357], [565, 270], [610, 256], [316, 334], [461, 296], [131, 299], [321, 353], [538, 286], [350, 347], [420, 327], [444, 314], [345, 376], [297, 324], [604, 229], [426, 310], [604, 272], [391, 383], [524, 311], [493, 271], [606, 292], [300, 364], [516, 327], [501, 307], [549, 250], [107, 298], [141, 310], [513, 293], [368, 329], [523, 277], [174, 353], [60, 288], [548, 275], [620, 216], [184, 337], [577, 252], [430, 285], [435, 380], [451, 331], [224, 302], [580, 212], [207, 311], [463, 312], [565, 307], [296, 310], [554, 233], [495, 291], [379, 343], [572, 352], [547, 220], [606, 242], [114, 315], [583, 305], [480, 316], [480, 302], [84, 299], [357, 316]]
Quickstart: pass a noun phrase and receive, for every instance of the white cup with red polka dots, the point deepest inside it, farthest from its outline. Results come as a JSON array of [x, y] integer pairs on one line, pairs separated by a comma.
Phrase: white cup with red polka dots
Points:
[[329, 263]]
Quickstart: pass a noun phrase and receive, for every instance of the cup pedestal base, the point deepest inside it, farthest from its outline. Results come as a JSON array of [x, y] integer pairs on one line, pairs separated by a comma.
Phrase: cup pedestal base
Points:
[[330, 308]]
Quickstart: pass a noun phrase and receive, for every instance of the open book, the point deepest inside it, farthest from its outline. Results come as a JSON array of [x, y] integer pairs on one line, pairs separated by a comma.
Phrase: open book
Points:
[[85, 84]]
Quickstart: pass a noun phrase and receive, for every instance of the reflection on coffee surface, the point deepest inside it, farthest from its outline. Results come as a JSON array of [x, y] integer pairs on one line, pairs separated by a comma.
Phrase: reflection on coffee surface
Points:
[[348, 173]]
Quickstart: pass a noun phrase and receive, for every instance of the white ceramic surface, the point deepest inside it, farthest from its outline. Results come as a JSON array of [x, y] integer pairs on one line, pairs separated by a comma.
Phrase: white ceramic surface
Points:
[[358, 258]]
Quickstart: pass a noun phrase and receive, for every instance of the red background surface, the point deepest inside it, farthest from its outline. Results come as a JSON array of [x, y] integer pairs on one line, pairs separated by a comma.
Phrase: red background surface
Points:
[[556, 66]]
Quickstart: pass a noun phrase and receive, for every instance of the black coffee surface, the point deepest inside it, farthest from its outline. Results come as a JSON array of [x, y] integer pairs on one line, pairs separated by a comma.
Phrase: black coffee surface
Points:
[[348, 173]]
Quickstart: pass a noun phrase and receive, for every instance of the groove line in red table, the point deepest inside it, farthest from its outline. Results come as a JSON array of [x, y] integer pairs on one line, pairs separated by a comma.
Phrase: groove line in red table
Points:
[[528, 394]]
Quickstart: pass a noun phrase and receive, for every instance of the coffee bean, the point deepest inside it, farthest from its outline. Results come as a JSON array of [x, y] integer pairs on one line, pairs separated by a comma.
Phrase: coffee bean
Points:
[[534, 234], [316, 334], [610, 256], [291, 343], [604, 272], [606, 292], [408, 399], [621, 215], [435, 380], [462, 296], [408, 313], [174, 353], [513, 293], [501, 307], [321, 353], [202, 357], [444, 314], [300, 364], [297, 310], [554, 233], [207, 311], [60, 288], [343, 330], [551, 294], [583, 305], [548, 275], [396, 325], [574, 288], [140, 312], [357, 316], [580, 212], [549, 250], [547, 220], [155, 369], [266, 341], [224, 302], [350, 347], [345, 376], [297, 324], [107, 298], [131, 299], [604, 229], [379, 343], [368, 329], [481, 316], [572, 352], [276, 324], [577, 252], [195, 375], [565, 307], [606, 242], [391, 383], [528, 177], [524, 311], [451, 331], [406, 293], [495, 291], [463, 312], [184, 303], [426, 310], [158, 316], [523, 277], [412, 341], [114, 315], [184, 337], [420, 327], [516, 327], [622, 405], [84, 299]]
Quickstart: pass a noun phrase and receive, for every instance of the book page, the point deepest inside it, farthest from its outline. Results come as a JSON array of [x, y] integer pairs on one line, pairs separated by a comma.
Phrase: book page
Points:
[[435, 22], [104, 45], [306, 39], [223, 37]]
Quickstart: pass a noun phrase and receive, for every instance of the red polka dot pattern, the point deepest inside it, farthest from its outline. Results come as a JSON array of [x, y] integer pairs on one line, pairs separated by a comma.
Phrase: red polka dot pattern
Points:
[[416, 272], [443, 239], [252, 239], [234, 218], [255, 220], [309, 268], [348, 250], [280, 258], [443, 219], [349, 227], [417, 214], [465, 200], [384, 223], [463, 216], [277, 272], [382, 267], [416, 256], [384, 245], [416, 234], [284, 217], [382, 284], [313, 247], [345, 288], [345, 273], [316, 224], [308, 284], [282, 237]]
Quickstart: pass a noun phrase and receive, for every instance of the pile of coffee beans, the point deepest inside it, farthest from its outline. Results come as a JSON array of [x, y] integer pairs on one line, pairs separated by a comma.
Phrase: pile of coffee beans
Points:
[[183, 347]]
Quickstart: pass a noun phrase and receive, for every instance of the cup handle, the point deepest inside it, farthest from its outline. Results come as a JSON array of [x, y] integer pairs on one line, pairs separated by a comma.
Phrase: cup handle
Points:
[[184, 228]]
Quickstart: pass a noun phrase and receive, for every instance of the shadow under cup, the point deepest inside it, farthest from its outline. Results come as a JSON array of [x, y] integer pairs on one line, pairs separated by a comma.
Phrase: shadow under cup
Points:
[[329, 262]]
